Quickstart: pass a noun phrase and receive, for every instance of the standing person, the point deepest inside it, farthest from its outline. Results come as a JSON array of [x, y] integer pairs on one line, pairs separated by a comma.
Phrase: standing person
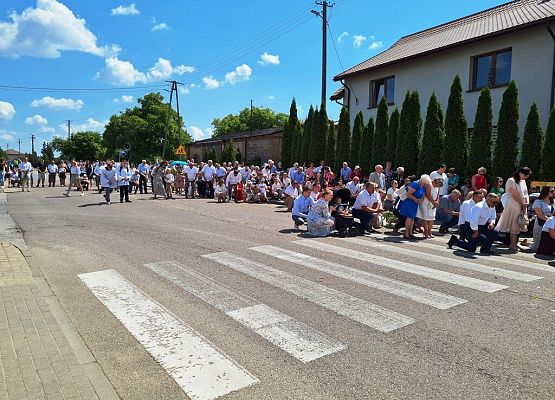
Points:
[[108, 179], [41, 173], [543, 207], [479, 180], [169, 178], [52, 171], [97, 171], [427, 208], [409, 207], [191, 172], [389, 174], [2, 170], [515, 206], [345, 173], [448, 211], [208, 173], [75, 179], [319, 220], [158, 185], [124, 175], [144, 171], [440, 173], [378, 177], [25, 171], [62, 170]]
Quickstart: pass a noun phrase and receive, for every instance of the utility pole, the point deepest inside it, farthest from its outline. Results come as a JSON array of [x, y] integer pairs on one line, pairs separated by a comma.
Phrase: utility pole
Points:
[[324, 15], [19, 145], [173, 89], [33, 137], [68, 128]]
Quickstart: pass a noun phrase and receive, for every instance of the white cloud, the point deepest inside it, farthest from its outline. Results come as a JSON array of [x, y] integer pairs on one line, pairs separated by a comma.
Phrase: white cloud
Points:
[[131, 9], [240, 74], [266, 59], [7, 110], [46, 31], [124, 99], [184, 90], [358, 40], [46, 129], [160, 27], [271, 97], [58, 104], [183, 69], [199, 134], [36, 120], [89, 125], [6, 136], [342, 36], [211, 83], [375, 45], [161, 70]]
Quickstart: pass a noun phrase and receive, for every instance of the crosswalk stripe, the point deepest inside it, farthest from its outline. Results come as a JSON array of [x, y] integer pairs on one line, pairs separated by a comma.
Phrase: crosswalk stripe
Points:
[[504, 259], [398, 288], [200, 369], [452, 262], [439, 275], [296, 338], [366, 313]]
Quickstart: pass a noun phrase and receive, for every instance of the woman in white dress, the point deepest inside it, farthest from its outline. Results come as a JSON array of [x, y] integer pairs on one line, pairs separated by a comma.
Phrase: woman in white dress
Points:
[[427, 209]]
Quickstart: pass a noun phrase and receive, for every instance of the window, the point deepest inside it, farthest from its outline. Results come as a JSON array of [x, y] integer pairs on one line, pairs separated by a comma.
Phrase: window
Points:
[[492, 69], [380, 88]]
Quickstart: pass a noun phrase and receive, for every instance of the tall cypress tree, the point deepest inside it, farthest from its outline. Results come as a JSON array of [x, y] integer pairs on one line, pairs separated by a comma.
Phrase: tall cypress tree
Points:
[[314, 137], [532, 142], [343, 139], [297, 151], [506, 145], [307, 133], [330, 145], [548, 153], [358, 128], [287, 139], [404, 123], [481, 141], [456, 130], [319, 135], [392, 131], [432, 139], [410, 127], [380, 134], [367, 143], [294, 146]]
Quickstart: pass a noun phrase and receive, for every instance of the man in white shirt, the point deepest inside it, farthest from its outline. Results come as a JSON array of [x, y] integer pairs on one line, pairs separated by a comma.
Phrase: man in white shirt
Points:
[[355, 187], [231, 182], [291, 193], [108, 180], [191, 172], [367, 207], [378, 177], [144, 171], [245, 173], [206, 184], [25, 171], [52, 171], [440, 173], [292, 170], [75, 179]]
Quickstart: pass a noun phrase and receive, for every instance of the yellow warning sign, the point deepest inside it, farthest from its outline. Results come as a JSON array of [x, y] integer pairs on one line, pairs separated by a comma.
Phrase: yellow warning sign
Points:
[[180, 150]]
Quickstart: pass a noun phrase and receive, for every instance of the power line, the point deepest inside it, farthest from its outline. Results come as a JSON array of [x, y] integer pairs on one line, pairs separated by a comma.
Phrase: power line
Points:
[[51, 89]]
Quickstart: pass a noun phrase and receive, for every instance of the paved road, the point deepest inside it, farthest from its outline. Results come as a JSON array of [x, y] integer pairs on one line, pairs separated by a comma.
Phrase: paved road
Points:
[[190, 298]]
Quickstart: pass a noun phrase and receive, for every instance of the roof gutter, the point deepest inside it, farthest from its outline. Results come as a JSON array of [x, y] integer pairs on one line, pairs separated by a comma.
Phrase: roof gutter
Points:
[[553, 68]]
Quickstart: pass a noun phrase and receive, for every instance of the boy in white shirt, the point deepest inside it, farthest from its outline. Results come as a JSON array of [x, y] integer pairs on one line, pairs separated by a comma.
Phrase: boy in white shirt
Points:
[[170, 179], [220, 191]]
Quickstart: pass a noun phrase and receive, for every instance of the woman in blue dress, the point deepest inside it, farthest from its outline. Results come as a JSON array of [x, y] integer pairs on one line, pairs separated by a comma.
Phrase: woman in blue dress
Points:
[[409, 206], [319, 220]]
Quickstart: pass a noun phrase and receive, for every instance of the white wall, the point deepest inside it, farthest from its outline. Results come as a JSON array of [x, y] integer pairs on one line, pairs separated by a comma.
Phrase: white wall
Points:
[[532, 62]]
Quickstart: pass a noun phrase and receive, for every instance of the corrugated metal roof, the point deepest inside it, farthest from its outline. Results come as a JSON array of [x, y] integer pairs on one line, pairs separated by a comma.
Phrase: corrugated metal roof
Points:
[[238, 135], [494, 21]]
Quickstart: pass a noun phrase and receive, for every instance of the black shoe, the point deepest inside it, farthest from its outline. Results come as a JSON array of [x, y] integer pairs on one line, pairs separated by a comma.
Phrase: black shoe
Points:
[[452, 241], [488, 252], [121, 201], [128, 201], [443, 231]]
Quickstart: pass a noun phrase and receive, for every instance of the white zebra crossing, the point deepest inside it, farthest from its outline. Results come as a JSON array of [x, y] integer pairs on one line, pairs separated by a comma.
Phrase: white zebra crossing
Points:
[[452, 262], [399, 288], [296, 338], [471, 283], [366, 313], [199, 368]]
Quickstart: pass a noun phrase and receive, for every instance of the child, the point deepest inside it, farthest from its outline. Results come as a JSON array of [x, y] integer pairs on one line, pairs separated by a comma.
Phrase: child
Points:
[[249, 192], [220, 191], [170, 179], [262, 191]]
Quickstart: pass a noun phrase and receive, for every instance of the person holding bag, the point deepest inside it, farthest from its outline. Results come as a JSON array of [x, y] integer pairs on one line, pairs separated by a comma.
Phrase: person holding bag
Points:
[[543, 207]]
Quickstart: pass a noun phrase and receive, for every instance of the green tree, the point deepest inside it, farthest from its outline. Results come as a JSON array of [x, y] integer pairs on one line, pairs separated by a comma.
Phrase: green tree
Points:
[[380, 135], [343, 139], [432, 138], [330, 145], [287, 140], [3, 154], [506, 145], [47, 152], [261, 118], [144, 128], [319, 133], [404, 119], [367, 143], [392, 131], [548, 153], [212, 155], [296, 148], [238, 155], [307, 134], [358, 128], [532, 141], [456, 130], [409, 133], [481, 141], [228, 153], [80, 146]]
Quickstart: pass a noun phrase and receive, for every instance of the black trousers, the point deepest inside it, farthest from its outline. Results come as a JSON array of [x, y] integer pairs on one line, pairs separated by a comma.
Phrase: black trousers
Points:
[[123, 193], [143, 184]]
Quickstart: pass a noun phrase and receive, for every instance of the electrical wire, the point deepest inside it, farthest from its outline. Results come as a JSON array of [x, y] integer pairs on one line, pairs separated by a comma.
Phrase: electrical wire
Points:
[[50, 89]]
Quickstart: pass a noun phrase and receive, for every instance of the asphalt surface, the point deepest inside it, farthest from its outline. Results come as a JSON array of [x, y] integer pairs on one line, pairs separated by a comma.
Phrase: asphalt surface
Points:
[[496, 346]]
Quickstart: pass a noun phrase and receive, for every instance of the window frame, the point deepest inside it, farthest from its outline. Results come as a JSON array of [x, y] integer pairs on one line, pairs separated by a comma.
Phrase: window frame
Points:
[[375, 104], [474, 66]]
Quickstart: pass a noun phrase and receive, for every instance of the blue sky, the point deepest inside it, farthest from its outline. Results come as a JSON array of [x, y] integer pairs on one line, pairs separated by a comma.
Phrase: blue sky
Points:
[[226, 54]]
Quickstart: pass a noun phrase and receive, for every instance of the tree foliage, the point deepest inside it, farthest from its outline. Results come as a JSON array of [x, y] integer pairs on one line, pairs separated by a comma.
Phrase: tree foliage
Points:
[[532, 143], [456, 129], [548, 153], [47, 152], [432, 138], [367, 143], [296, 148], [228, 152], [358, 128], [380, 134], [319, 132], [80, 146], [287, 140], [330, 145], [144, 128], [262, 118], [408, 141], [392, 131], [479, 154], [343, 139], [307, 134], [506, 145]]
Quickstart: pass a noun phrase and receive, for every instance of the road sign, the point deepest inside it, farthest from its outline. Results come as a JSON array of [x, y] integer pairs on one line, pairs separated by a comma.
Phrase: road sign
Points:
[[180, 150]]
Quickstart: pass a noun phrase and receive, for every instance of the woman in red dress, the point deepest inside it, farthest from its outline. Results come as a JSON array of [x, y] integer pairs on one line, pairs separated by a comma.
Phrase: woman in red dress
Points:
[[480, 181]]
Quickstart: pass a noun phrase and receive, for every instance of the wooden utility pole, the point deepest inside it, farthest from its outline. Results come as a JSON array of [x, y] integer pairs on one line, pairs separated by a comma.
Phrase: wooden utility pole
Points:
[[33, 137], [68, 128], [324, 15]]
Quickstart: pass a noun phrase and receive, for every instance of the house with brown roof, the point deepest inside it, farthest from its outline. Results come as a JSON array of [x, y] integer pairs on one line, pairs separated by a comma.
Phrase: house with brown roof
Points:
[[513, 41]]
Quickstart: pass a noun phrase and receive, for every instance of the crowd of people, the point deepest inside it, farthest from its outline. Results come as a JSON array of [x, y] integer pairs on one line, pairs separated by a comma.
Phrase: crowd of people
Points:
[[348, 203]]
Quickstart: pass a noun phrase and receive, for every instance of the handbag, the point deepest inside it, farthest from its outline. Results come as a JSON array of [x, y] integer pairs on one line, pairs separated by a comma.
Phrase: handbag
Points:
[[402, 193], [523, 220]]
